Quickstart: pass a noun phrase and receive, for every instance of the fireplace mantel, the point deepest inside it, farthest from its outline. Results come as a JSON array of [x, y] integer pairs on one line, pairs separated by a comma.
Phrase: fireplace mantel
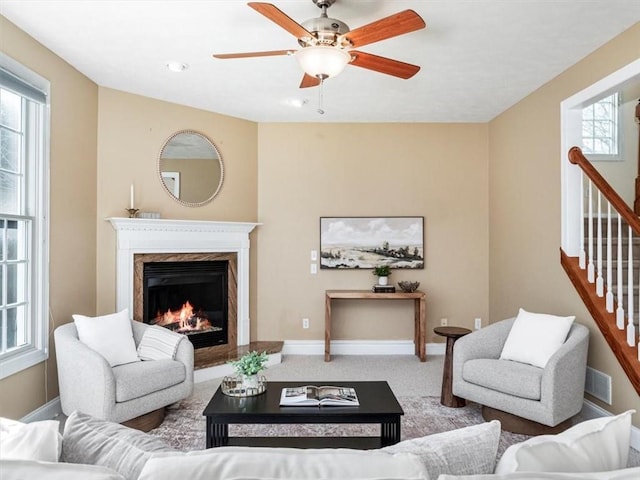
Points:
[[136, 235]]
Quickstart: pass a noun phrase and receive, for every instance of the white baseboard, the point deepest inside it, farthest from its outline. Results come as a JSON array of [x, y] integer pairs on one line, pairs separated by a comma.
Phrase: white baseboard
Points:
[[591, 410], [358, 347], [48, 411]]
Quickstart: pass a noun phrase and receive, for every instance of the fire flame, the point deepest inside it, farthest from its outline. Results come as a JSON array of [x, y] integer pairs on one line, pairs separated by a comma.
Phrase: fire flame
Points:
[[183, 320]]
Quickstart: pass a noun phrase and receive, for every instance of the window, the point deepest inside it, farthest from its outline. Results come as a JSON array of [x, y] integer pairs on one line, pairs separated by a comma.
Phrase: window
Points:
[[24, 201], [600, 129]]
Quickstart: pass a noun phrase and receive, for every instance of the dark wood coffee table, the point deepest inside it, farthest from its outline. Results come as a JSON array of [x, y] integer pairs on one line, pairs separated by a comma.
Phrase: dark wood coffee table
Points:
[[378, 404]]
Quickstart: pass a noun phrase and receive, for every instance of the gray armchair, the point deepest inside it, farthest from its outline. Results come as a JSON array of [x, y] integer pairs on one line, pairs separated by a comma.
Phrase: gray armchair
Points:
[[138, 390], [525, 398]]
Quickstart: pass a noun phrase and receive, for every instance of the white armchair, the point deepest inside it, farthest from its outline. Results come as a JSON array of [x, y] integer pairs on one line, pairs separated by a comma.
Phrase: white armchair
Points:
[[525, 398], [138, 390]]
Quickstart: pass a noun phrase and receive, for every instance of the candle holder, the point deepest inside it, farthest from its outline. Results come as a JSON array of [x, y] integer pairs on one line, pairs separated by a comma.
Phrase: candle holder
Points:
[[133, 212]]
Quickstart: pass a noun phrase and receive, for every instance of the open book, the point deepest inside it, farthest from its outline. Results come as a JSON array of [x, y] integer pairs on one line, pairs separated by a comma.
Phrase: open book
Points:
[[321, 396]]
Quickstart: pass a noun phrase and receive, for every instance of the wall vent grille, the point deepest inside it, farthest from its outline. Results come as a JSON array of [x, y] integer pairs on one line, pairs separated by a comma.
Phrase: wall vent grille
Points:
[[598, 384]]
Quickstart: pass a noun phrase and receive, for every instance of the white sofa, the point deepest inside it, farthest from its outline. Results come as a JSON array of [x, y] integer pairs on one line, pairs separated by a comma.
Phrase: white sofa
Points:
[[93, 449]]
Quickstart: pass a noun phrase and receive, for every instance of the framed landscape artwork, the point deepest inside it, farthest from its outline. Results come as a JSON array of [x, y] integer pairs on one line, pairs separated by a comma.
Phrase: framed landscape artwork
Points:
[[368, 242]]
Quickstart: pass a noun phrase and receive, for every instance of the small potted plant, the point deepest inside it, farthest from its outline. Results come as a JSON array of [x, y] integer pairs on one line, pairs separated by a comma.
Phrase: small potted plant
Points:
[[249, 365], [382, 272]]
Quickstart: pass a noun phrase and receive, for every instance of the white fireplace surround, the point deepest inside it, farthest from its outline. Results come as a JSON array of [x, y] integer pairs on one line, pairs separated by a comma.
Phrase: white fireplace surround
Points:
[[137, 235]]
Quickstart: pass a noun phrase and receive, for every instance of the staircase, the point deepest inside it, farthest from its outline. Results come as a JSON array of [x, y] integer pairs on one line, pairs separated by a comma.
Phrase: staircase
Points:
[[603, 260]]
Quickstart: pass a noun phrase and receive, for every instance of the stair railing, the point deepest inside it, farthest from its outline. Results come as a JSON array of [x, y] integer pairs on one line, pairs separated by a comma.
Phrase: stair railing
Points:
[[598, 259]]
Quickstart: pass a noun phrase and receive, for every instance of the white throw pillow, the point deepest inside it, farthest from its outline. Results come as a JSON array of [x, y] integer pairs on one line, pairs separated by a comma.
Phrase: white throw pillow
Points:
[[464, 451], [632, 473], [92, 441], [535, 337], [30, 441], [596, 445], [283, 464], [109, 335], [158, 343]]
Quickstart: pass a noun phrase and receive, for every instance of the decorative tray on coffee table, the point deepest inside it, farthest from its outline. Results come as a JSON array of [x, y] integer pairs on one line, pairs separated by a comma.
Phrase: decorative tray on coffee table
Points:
[[234, 386]]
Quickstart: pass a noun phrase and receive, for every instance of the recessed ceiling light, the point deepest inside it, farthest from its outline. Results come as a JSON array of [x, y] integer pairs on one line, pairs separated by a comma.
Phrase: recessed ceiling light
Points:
[[297, 102], [177, 66]]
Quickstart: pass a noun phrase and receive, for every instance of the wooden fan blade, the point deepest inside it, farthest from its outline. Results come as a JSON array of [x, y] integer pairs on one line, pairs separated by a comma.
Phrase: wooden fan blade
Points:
[[383, 64], [309, 81], [271, 53], [276, 15], [392, 26]]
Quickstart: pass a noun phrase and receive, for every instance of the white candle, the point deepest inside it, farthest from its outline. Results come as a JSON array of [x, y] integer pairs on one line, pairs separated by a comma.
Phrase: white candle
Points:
[[132, 196]]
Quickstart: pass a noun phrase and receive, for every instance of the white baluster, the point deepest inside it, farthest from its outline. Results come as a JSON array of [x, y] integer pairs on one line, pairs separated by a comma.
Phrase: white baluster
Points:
[[609, 295], [620, 309], [599, 279], [582, 259], [630, 284], [631, 328], [590, 267]]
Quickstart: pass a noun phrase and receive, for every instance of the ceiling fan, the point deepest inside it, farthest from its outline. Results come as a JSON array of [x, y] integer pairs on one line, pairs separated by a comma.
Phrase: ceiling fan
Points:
[[327, 43]]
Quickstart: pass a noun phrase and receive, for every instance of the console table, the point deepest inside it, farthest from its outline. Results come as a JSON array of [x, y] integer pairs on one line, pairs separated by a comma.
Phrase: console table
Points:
[[420, 324]]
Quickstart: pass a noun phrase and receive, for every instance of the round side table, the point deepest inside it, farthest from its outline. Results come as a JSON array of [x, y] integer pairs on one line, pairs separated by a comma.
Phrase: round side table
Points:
[[447, 398]]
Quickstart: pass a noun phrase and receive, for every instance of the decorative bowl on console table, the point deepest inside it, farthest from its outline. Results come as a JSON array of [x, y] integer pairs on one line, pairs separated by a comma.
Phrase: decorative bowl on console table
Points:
[[407, 286]]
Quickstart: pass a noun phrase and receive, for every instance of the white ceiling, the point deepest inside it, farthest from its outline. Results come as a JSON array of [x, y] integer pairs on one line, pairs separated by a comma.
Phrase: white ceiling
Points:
[[478, 57]]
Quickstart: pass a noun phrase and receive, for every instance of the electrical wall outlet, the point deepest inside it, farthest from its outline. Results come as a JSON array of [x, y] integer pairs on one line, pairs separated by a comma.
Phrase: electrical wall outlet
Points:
[[478, 323], [305, 323], [444, 322], [314, 268]]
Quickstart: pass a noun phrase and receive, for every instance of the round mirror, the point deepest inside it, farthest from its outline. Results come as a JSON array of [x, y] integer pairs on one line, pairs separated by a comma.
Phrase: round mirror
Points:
[[190, 168]]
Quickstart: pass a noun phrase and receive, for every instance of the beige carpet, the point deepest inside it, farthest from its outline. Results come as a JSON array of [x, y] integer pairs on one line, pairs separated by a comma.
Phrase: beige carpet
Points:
[[417, 386]]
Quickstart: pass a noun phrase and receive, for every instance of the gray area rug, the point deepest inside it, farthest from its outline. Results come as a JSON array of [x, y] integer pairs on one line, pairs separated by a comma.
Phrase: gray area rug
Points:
[[184, 425], [415, 384]]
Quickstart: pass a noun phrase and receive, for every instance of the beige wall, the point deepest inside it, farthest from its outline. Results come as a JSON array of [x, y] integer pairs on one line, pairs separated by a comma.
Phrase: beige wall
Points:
[[74, 103], [438, 171], [132, 130], [524, 179]]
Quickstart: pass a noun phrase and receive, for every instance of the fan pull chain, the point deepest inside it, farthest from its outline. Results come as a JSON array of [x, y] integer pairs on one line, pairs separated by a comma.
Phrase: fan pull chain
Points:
[[320, 97]]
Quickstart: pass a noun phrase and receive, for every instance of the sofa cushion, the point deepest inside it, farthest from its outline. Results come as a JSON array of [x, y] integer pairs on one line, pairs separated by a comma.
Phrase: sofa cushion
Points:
[[158, 343], [32, 470], [596, 445], [135, 380], [513, 378], [535, 337], [109, 335], [89, 440], [622, 474], [30, 441], [466, 450], [284, 463]]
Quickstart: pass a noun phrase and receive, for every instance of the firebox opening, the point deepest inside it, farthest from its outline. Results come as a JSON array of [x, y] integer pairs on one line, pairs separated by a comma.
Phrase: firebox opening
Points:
[[189, 298]]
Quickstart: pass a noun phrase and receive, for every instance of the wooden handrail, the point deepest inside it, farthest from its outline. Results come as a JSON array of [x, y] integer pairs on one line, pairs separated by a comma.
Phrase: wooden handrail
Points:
[[636, 203], [577, 158], [617, 339]]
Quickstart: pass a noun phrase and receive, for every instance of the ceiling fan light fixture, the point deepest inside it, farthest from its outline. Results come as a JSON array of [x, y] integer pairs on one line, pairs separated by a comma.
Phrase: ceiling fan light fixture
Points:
[[322, 61], [177, 66]]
